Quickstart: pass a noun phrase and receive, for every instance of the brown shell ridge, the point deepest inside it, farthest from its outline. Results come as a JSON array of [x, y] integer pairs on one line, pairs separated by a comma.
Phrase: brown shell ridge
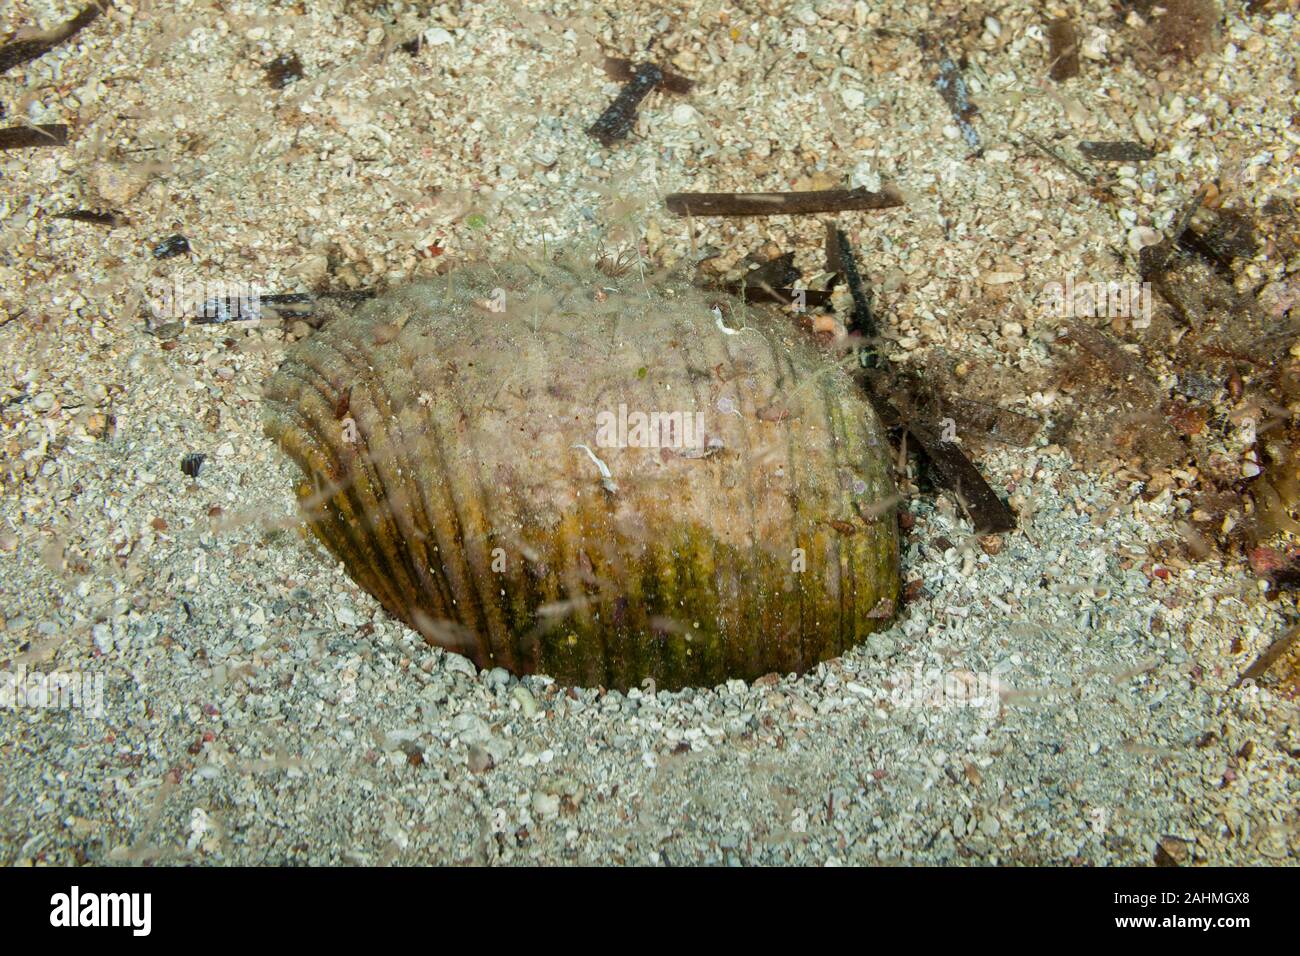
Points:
[[459, 582], [344, 519], [398, 532], [466, 426], [382, 519]]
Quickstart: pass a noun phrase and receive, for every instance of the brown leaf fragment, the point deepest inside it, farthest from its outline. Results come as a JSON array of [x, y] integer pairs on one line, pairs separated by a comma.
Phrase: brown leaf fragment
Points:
[[1186, 29], [1063, 49], [955, 472], [1123, 366], [1000, 424], [283, 70], [1230, 236], [617, 68], [779, 272]]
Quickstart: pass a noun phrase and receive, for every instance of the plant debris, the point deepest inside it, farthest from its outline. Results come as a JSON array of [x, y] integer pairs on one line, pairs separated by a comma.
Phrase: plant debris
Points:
[[617, 120], [1186, 29], [951, 469], [617, 68], [283, 70], [1228, 237], [1115, 151], [171, 246], [1063, 49], [773, 281], [1271, 655], [894, 394], [803, 203], [33, 135], [106, 217], [906, 402], [1192, 270], [18, 52], [839, 260], [1003, 425]]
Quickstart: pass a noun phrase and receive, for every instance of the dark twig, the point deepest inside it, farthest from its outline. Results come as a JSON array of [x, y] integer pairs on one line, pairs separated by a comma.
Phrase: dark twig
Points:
[[840, 260], [951, 468], [105, 217], [25, 137], [22, 51], [617, 120], [954, 471], [1115, 151], [780, 204]]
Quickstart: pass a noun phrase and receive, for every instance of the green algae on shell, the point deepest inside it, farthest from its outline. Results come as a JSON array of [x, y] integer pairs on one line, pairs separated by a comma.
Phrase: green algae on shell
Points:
[[480, 453]]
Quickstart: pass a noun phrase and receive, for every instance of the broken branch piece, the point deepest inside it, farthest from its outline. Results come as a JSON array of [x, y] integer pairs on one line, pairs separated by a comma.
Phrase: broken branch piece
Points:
[[22, 51], [781, 204], [617, 120]]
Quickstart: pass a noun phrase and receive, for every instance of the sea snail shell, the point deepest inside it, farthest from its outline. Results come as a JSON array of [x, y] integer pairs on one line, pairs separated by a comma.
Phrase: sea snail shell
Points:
[[478, 451]]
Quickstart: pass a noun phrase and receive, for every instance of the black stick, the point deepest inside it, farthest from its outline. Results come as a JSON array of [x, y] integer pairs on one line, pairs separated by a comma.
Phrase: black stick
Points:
[[23, 51], [44, 134], [780, 204], [840, 259], [98, 217], [617, 120]]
